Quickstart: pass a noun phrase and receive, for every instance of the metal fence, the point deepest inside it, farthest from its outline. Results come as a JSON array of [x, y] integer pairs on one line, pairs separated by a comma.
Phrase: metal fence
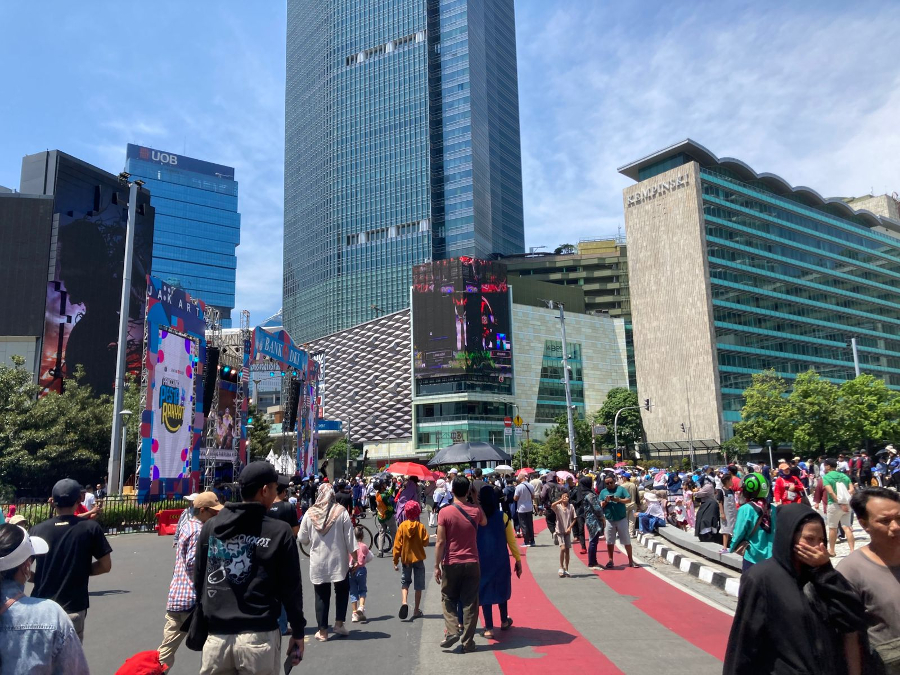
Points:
[[118, 515]]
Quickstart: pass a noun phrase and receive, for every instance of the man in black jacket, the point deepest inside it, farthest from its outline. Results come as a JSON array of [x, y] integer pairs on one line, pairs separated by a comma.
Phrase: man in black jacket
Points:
[[247, 568]]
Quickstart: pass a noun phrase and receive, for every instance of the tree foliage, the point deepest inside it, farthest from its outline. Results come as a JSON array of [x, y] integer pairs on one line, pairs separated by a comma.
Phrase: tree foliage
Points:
[[766, 414], [565, 249], [631, 427], [259, 441]]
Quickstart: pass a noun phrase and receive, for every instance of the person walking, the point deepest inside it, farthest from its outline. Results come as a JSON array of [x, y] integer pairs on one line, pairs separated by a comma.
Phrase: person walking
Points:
[[327, 531], [409, 551], [838, 491], [565, 521], [247, 567], [728, 505], [78, 550], [410, 492], [456, 566], [496, 541], [384, 500], [614, 499], [594, 520], [524, 500], [874, 572], [754, 526], [359, 575], [182, 597], [795, 613], [38, 637]]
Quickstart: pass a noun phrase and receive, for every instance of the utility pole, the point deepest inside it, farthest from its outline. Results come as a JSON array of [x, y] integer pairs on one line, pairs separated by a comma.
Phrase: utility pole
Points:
[[113, 469], [855, 355], [527, 425]]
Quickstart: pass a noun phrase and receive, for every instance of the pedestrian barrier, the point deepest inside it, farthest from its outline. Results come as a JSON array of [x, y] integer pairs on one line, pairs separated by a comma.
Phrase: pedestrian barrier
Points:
[[116, 515], [167, 521]]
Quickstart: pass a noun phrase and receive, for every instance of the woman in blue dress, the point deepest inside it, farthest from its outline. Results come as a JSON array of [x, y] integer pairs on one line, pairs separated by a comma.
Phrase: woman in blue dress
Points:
[[496, 541]]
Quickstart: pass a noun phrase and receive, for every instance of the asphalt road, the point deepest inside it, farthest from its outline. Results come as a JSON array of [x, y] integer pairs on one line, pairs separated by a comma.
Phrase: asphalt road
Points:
[[612, 621]]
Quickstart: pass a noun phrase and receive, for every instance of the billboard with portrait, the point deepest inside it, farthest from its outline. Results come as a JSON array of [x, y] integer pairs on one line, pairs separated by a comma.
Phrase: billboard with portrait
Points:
[[81, 316], [461, 320]]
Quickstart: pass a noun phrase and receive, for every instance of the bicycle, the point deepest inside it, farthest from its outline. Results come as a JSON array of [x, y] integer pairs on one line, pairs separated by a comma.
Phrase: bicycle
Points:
[[384, 541], [367, 536]]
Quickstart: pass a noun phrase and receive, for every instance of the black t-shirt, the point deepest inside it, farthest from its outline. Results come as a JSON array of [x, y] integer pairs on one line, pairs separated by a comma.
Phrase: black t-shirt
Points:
[[62, 574], [345, 499], [284, 511]]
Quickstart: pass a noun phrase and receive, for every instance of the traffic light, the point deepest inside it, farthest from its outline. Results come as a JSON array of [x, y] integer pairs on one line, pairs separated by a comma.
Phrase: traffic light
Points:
[[682, 428], [647, 404]]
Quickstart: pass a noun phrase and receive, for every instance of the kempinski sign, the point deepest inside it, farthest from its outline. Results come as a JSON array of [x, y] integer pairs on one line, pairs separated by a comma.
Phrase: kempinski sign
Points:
[[652, 192]]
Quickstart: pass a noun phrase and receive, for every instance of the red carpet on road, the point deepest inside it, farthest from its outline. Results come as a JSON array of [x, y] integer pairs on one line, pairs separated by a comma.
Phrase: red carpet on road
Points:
[[549, 633]]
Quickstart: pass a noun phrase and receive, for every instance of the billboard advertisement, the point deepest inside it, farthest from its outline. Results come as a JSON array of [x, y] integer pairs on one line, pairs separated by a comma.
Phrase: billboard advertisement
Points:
[[307, 420], [174, 161], [172, 405], [461, 320], [172, 315], [81, 315]]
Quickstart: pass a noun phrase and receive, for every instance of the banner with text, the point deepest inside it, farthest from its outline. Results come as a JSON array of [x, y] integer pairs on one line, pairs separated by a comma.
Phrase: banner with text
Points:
[[173, 406]]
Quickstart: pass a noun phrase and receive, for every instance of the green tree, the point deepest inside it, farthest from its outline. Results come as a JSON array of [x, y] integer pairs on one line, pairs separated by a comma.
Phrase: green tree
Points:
[[735, 449], [767, 412], [337, 451], [258, 438], [631, 427], [868, 410], [565, 249], [815, 413]]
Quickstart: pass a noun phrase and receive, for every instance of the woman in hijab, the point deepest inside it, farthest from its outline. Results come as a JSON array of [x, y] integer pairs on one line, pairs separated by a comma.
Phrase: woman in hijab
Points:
[[327, 532], [409, 492], [795, 613], [706, 527], [593, 520], [496, 579]]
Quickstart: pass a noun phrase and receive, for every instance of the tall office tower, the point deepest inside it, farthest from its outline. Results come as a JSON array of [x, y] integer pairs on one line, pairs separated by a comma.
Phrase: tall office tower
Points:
[[401, 146], [198, 226]]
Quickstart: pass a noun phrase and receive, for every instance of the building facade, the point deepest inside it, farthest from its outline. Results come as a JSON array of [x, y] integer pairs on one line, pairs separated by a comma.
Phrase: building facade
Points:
[[401, 146], [733, 272], [198, 226]]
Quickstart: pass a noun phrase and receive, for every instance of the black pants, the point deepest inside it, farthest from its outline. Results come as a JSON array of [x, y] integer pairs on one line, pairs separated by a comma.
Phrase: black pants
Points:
[[526, 522], [323, 601], [487, 612], [578, 531], [550, 519]]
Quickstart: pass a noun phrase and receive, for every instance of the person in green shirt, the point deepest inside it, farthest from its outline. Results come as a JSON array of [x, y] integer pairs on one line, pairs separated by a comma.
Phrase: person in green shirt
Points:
[[837, 512], [614, 498], [754, 527]]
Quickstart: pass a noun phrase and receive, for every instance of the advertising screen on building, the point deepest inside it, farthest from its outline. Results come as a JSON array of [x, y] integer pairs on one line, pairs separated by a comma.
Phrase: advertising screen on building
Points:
[[173, 405], [461, 320], [81, 322]]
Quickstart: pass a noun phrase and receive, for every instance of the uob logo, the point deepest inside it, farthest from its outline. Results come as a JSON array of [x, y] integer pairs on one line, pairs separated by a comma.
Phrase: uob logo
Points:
[[163, 157], [170, 405]]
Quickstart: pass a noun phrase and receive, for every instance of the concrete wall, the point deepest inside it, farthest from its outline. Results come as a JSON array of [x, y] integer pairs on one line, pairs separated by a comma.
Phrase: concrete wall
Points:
[[674, 339], [602, 341]]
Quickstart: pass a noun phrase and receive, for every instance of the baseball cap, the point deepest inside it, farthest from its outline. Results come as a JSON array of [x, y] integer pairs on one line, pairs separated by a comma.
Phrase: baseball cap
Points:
[[191, 497], [66, 493], [207, 500], [16, 519], [257, 475], [30, 546]]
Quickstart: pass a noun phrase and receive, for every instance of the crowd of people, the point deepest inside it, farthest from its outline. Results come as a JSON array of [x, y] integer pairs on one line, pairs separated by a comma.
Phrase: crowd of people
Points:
[[236, 587]]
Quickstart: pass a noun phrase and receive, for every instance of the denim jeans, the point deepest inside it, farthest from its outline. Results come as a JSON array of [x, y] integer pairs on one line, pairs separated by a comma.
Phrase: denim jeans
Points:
[[592, 549]]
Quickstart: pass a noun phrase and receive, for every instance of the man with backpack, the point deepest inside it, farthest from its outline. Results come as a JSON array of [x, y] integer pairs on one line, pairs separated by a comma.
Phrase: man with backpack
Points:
[[838, 489], [861, 470]]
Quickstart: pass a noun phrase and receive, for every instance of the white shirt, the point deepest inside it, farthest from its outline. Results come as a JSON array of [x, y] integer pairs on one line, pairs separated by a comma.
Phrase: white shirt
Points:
[[329, 554], [89, 500]]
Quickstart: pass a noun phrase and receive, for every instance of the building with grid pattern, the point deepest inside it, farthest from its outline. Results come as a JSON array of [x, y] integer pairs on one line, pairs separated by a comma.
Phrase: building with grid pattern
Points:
[[198, 226], [732, 272], [401, 146]]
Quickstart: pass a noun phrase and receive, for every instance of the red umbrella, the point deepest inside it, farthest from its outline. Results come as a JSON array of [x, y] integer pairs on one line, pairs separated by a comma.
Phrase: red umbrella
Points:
[[410, 469], [439, 474], [525, 470]]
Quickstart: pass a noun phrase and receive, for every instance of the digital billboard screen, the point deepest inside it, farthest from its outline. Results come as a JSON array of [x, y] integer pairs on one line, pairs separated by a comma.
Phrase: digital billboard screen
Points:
[[461, 320]]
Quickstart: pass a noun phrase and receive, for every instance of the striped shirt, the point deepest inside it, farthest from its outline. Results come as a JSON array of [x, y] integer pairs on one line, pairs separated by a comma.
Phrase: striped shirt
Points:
[[181, 591]]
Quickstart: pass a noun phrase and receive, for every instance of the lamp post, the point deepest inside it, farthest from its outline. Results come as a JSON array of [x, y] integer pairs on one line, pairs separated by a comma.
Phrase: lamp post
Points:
[[124, 415], [769, 443], [596, 430], [616, 423]]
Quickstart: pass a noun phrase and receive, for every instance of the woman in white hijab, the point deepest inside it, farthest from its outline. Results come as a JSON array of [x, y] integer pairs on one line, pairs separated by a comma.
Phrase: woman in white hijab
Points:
[[327, 532]]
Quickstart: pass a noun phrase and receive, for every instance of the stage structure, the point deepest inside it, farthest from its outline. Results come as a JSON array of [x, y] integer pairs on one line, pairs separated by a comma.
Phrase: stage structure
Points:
[[172, 378]]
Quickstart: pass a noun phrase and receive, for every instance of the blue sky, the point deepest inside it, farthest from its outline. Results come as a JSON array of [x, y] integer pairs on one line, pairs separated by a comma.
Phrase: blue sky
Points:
[[807, 90]]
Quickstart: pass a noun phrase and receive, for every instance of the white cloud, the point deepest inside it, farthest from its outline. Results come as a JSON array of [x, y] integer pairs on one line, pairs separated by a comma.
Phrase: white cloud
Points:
[[811, 96]]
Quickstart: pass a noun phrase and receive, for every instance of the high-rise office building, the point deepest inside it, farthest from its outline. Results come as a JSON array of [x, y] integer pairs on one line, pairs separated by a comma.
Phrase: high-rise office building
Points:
[[198, 226], [401, 146], [732, 272]]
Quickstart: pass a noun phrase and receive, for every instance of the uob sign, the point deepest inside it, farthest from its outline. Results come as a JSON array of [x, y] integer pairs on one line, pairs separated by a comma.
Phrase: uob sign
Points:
[[157, 156]]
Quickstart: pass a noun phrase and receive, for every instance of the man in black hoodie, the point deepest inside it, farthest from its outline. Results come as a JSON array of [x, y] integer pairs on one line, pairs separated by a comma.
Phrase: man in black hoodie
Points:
[[248, 567], [796, 614]]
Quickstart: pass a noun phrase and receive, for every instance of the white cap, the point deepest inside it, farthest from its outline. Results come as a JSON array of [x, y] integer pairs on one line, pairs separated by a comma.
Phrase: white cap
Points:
[[30, 546], [191, 497]]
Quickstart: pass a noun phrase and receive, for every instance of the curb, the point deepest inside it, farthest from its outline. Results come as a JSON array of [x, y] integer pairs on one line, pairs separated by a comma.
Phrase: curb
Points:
[[730, 585]]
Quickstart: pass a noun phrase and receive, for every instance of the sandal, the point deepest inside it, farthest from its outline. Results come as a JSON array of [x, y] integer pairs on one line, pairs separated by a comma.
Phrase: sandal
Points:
[[634, 565], [506, 625], [561, 573], [321, 638], [609, 565], [489, 634]]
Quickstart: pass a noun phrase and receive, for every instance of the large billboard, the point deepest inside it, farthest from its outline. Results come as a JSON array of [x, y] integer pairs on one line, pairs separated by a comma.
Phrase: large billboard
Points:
[[81, 317], [461, 320], [171, 160], [172, 404]]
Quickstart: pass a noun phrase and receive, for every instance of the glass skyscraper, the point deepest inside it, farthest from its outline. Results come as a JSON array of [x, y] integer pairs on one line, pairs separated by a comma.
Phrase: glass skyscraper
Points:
[[198, 226], [401, 146]]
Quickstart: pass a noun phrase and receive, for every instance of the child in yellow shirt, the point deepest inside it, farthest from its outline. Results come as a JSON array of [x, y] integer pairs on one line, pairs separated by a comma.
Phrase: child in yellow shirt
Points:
[[409, 550]]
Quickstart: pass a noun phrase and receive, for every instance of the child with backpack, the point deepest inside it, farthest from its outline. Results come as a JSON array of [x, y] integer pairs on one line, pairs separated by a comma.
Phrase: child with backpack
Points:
[[409, 550], [754, 527]]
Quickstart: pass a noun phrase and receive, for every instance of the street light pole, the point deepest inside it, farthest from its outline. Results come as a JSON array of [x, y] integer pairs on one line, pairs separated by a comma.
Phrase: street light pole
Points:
[[616, 422], [769, 443], [124, 415], [113, 470], [565, 363]]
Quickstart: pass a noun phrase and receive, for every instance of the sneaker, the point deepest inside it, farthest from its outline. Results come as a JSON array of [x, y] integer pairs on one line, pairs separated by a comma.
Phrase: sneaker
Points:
[[341, 630], [404, 611], [596, 567], [567, 573], [561, 573], [361, 613], [449, 641], [354, 618], [471, 647]]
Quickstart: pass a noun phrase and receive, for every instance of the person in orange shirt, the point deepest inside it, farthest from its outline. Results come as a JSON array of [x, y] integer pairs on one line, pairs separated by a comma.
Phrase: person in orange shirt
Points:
[[409, 550]]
